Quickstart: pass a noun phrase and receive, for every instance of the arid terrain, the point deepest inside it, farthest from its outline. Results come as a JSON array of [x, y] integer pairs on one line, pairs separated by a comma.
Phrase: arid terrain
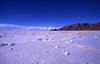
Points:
[[79, 26], [50, 47]]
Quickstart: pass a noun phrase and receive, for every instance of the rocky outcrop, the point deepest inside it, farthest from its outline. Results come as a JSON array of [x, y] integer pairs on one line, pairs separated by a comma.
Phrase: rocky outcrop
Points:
[[79, 26]]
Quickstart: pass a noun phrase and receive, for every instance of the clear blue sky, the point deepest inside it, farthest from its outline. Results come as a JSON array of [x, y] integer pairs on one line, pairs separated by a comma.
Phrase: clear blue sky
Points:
[[49, 12]]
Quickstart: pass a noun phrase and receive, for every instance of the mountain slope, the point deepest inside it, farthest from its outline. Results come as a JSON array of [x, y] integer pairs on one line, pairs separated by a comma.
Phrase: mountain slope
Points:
[[79, 26]]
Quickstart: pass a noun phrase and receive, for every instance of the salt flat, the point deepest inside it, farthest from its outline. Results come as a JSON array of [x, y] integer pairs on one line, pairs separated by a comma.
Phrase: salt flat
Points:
[[50, 47]]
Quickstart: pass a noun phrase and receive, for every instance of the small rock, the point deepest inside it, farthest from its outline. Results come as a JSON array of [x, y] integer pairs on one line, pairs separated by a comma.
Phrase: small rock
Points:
[[1, 36], [47, 51], [52, 39], [11, 48], [17, 55], [39, 39], [46, 39], [57, 46], [37, 62], [12, 44], [3, 44], [86, 63], [66, 53]]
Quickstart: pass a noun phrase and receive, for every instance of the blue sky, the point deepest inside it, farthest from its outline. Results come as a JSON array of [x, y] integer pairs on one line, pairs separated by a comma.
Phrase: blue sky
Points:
[[49, 12]]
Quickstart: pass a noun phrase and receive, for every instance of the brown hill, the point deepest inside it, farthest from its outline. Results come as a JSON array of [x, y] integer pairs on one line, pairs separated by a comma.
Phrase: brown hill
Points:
[[79, 26]]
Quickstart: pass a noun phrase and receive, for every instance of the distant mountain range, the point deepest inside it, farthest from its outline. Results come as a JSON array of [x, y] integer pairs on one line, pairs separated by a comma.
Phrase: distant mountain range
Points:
[[79, 26], [13, 27]]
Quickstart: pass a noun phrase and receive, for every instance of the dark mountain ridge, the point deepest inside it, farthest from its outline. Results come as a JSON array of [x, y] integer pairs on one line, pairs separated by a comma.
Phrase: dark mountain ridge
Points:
[[79, 26]]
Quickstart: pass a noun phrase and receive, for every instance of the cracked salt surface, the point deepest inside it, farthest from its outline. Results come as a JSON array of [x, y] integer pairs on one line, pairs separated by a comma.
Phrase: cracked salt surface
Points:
[[46, 47]]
